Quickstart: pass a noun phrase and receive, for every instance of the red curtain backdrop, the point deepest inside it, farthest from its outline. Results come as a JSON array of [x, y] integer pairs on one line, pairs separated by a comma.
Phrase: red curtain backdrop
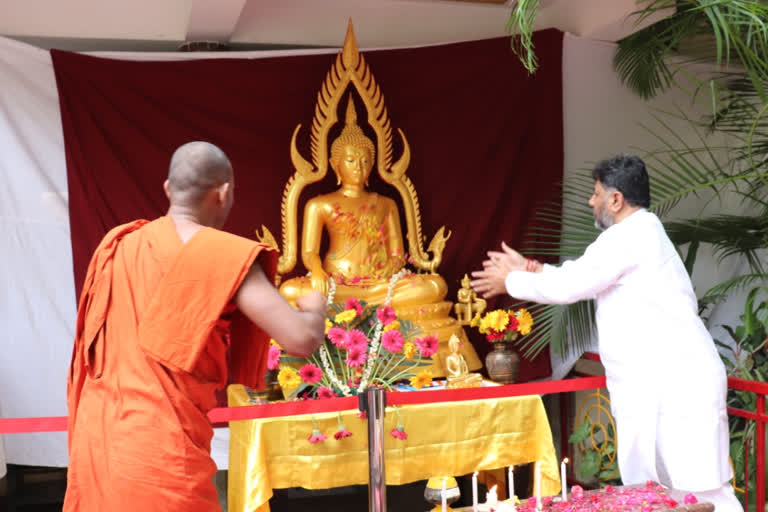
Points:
[[486, 139]]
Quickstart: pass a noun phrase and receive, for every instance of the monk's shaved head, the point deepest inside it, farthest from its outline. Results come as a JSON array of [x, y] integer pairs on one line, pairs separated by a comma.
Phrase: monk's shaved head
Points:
[[196, 167]]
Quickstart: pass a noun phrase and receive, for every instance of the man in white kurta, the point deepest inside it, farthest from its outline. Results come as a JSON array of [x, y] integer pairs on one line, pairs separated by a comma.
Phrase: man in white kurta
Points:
[[666, 380]]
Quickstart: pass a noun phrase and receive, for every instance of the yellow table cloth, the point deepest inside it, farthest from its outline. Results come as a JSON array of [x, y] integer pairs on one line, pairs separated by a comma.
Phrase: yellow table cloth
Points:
[[454, 438]]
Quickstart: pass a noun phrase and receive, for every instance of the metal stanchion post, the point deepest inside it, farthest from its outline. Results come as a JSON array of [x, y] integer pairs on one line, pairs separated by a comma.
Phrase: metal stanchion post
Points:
[[373, 403]]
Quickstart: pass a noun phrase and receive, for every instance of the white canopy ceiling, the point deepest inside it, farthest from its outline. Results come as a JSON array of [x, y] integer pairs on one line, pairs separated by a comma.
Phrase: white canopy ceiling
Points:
[[247, 24]]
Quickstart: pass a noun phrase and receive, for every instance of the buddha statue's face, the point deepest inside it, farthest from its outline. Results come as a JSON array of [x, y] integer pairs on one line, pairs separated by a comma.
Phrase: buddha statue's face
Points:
[[354, 165]]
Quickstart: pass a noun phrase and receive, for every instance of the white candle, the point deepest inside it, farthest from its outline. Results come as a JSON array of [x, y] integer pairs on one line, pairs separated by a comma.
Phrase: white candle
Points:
[[537, 483], [474, 492], [563, 483], [443, 502], [511, 478]]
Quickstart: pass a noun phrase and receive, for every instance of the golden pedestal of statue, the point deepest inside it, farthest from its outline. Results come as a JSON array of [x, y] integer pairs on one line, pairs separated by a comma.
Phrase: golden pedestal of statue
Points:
[[365, 238]]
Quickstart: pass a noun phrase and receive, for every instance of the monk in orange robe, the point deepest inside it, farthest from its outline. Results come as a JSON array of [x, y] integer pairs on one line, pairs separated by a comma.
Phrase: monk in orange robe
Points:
[[153, 344]]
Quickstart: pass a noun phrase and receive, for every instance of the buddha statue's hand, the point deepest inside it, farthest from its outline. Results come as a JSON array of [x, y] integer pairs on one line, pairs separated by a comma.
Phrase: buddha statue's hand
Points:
[[320, 281]]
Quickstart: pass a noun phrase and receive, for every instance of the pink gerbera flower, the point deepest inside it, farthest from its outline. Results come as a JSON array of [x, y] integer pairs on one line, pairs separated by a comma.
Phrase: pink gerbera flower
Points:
[[324, 392], [353, 303], [386, 315], [338, 336], [342, 433], [392, 341], [273, 357], [310, 373], [399, 433], [690, 499], [355, 339], [355, 357], [317, 437], [427, 345]]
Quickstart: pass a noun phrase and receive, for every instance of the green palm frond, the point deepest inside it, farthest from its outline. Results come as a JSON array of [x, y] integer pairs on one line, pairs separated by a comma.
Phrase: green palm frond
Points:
[[722, 290], [568, 329], [723, 31], [729, 234]]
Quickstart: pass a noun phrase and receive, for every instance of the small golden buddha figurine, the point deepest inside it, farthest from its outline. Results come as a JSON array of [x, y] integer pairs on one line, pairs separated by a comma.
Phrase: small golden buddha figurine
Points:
[[365, 238], [469, 304], [456, 370]]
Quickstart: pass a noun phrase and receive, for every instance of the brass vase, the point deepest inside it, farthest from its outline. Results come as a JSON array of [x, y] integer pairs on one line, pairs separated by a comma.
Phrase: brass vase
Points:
[[502, 363]]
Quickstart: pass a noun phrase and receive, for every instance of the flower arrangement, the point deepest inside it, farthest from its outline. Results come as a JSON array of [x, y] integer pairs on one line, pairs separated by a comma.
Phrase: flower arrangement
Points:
[[504, 326], [365, 345]]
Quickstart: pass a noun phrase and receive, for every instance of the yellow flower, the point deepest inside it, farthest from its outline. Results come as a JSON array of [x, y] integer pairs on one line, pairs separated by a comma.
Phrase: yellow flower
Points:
[[496, 320], [393, 325], [273, 342], [475, 321], [328, 325], [288, 378], [345, 316], [422, 380], [524, 321], [409, 350]]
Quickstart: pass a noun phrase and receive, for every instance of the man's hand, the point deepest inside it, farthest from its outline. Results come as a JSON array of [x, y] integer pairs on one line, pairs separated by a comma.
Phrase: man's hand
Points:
[[489, 282]]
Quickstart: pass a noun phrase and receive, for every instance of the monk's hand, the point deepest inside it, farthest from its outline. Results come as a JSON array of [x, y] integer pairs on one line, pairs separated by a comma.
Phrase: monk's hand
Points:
[[489, 282], [320, 281], [315, 302]]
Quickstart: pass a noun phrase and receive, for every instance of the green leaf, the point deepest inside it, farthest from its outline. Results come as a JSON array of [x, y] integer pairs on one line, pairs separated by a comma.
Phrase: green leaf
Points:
[[581, 433], [590, 464]]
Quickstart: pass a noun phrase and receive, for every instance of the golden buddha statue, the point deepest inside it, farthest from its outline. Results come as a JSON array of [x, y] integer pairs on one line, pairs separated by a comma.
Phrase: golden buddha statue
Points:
[[456, 370], [469, 304], [365, 237]]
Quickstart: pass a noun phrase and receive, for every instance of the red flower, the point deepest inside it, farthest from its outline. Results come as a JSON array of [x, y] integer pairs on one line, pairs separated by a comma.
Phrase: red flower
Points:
[[392, 341], [338, 336], [342, 433], [494, 336], [513, 323], [690, 499], [353, 303], [609, 489], [273, 357], [355, 357], [355, 339], [427, 345], [317, 437], [386, 315], [399, 433], [324, 392], [310, 373]]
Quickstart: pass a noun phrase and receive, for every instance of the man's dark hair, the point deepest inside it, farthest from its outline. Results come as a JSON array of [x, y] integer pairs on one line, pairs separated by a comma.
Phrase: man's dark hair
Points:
[[627, 174]]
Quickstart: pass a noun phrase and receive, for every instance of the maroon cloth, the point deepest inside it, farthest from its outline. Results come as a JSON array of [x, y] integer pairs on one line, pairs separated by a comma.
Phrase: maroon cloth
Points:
[[486, 139]]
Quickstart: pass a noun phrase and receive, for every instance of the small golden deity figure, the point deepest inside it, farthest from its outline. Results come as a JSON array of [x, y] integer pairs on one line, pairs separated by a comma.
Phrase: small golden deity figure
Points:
[[365, 239], [456, 370], [469, 304]]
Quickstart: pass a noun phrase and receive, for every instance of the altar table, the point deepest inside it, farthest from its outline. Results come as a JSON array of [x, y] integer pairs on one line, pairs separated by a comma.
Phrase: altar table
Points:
[[455, 438]]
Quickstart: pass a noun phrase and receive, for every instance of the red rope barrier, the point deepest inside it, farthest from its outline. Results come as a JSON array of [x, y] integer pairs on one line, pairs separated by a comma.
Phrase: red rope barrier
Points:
[[270, 410]]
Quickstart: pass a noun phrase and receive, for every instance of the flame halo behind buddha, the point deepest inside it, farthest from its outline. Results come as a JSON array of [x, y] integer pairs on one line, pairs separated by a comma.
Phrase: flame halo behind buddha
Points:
[[366, 245]]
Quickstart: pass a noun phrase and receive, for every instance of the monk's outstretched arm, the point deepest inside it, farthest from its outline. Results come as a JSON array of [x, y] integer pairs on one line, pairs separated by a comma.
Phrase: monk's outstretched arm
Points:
[[299, 332]]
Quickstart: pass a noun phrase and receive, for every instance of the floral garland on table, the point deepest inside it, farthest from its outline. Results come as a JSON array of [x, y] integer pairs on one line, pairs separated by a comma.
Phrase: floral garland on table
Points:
[[365, 345]]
